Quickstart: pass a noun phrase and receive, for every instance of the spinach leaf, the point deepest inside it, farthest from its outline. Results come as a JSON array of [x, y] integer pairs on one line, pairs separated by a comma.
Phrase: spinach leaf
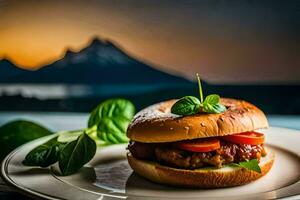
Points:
[[76, 154], [107, 124], [112, 118], [113, 130], [111, 108], [16, 133], [45, 154], [187, 105]]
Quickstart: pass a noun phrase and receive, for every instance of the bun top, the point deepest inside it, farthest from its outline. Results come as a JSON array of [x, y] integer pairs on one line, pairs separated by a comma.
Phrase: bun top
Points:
[[156, 123]]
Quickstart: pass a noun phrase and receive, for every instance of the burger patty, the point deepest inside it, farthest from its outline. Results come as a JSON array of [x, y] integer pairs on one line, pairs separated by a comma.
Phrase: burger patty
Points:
[[168, 154]]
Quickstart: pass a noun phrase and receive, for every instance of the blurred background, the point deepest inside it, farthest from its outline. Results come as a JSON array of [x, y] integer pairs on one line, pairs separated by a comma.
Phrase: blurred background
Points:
[[70, 55]]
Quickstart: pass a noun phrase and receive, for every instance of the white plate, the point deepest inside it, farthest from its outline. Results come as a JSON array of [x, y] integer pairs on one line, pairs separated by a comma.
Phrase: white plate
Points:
[[108, 176]]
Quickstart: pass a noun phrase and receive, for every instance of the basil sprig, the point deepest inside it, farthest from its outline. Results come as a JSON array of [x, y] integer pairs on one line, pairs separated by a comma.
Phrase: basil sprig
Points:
[[190, 105], [107, 125], [187, 105], [250, 165], [212, 104]]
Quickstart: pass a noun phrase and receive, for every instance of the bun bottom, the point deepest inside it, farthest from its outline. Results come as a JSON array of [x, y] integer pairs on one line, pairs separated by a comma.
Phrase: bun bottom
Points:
[[199, 178]]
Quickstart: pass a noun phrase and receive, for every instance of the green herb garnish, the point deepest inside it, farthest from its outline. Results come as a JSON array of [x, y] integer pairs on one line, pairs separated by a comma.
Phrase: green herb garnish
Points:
[[187, 105], [190, 105], [250, 165], [212, 104], [107, 125]]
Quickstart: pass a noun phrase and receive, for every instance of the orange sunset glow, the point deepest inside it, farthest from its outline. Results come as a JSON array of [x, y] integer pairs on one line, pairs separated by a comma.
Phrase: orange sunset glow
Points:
[[33, 34]]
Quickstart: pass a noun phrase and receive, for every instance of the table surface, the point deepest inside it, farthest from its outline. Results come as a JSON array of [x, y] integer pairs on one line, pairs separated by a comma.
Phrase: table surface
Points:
[[71, 121]]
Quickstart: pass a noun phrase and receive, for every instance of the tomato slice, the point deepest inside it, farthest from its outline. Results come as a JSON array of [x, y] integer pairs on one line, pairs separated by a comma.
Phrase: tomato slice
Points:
[[252, 138], [199, 145]]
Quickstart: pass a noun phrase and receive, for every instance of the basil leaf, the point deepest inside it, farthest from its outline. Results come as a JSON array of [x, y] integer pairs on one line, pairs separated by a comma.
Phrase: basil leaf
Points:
[[187, 105], [44, 155], [112, 108], [213, 108], [212, 99], [76, 154], [212, 104], [16, 133], [251, 165], [113, 130]]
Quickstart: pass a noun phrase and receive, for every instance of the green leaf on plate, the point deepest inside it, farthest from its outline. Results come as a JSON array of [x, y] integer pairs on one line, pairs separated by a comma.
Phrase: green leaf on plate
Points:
[[44, 155], [113, 130], [77, 153], [112, 118]]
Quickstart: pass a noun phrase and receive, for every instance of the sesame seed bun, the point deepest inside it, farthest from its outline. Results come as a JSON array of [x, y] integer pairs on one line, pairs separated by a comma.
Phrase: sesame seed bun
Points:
[[157, 124]]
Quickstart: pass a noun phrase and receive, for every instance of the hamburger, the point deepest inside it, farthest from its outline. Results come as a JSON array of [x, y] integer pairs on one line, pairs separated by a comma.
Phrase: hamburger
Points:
[[199, 150]]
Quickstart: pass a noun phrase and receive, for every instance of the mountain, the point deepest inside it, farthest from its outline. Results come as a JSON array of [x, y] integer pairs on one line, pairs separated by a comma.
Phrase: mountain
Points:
[[80, 80], [101, 62]]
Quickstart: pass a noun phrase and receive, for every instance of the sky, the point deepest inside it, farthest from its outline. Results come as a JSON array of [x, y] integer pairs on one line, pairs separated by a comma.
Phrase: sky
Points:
[[224, 41]]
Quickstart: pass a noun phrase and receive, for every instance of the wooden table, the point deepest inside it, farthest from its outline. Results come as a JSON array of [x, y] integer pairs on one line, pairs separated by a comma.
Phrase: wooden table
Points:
[[70, 121]]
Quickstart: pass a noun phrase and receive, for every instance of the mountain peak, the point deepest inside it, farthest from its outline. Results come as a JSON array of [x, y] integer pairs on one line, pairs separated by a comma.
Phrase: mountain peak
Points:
[[97, 51], [6, 61], [69, 52], [96, 41], [100, 42]]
